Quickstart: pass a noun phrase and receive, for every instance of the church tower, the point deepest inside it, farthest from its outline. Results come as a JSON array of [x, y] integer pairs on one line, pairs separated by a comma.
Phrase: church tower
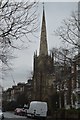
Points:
[[43, 71]]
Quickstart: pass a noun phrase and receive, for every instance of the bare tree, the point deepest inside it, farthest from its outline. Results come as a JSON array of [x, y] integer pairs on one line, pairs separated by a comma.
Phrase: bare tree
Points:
[[63, 54], [18, 20], [63, 65], [69, 30]]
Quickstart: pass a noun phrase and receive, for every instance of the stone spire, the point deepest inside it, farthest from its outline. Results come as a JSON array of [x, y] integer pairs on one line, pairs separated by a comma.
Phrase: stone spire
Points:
[[43, 40]]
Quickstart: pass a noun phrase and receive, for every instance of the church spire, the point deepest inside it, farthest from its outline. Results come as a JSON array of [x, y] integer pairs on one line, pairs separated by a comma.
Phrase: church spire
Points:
[[43, 40]]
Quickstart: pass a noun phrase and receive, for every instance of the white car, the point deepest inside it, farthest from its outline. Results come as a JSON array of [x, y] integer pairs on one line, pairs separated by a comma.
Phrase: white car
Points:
[[1, 115]]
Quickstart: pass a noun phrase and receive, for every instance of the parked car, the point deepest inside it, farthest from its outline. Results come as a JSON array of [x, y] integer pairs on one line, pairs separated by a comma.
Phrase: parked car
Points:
[[20, 111], [1, 115]]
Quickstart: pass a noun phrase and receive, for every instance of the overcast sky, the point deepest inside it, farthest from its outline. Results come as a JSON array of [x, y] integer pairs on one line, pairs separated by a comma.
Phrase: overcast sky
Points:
[[55, 12]]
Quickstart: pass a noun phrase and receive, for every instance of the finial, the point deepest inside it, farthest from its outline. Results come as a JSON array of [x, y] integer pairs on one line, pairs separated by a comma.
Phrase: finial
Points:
[[43, 5], [36, 52]]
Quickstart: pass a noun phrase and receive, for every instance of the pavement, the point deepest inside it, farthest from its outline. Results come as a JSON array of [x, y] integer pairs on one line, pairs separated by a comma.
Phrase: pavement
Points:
[[11, 115]]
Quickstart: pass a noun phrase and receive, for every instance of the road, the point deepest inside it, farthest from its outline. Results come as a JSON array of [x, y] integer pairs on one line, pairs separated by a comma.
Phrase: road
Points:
[[11, 116]]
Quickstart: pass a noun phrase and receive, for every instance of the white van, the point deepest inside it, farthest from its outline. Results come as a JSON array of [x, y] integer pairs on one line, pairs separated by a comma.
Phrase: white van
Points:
[[37, 109]]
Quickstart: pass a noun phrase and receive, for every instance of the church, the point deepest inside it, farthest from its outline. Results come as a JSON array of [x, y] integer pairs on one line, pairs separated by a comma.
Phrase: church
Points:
[[43, 68]]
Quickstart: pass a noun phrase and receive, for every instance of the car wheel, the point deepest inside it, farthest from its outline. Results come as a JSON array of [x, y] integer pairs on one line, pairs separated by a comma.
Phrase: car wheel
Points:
[[2, 118]]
